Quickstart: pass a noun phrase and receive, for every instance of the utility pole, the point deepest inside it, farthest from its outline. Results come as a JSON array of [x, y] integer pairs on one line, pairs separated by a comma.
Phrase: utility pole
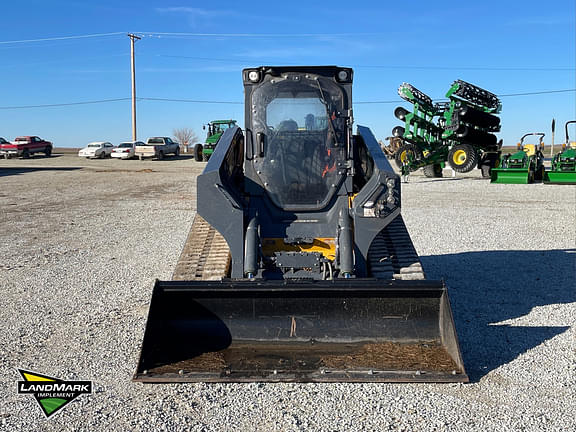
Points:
[[133, 37], [552, 146]]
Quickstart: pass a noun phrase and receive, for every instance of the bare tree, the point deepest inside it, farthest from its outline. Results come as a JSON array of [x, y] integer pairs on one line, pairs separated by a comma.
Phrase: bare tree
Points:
[[186, 137]]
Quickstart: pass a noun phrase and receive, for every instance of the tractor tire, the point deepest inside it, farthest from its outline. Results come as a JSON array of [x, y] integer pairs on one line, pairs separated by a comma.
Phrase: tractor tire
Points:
[[198, 152], [463, 158], [433, 170], [540, 173], [531, 175], [539, 169], [403, 153], [488, 161]]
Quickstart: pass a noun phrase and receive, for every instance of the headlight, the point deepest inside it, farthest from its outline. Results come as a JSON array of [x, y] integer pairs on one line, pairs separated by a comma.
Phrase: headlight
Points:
[[254, 76], [343, 75]]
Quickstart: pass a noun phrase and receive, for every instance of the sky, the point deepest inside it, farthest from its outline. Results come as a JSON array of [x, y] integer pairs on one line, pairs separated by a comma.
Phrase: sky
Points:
[[195, 51]]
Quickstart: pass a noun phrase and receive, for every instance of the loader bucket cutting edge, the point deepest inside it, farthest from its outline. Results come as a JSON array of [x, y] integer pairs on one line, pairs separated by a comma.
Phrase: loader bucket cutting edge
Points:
[[560, 177], [510, 176], [355, 330]]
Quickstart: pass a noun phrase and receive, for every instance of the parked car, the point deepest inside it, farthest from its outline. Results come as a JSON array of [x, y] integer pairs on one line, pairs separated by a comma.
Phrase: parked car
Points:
[[3, 141], [157, 147], [125, 150], [25, 146], [97, 149]]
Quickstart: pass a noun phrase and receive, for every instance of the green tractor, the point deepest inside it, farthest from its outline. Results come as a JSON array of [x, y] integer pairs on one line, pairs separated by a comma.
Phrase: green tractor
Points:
[[524, 166], [460, 131], [564, 163], [216, 128]]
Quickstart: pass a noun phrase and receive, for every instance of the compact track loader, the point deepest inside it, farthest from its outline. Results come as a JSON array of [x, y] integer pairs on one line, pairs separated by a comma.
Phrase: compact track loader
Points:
[[298, 266], [563, 169]]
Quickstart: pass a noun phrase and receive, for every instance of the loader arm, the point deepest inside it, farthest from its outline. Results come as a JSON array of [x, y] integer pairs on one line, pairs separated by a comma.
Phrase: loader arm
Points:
[[220, 193]]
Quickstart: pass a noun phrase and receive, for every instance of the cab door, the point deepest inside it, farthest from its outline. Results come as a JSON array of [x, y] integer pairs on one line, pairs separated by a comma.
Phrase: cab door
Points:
[[36, 145]]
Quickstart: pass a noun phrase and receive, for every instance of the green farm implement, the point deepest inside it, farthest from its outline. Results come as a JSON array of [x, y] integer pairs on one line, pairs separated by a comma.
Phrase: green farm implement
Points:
[[564, 163], [524, 166], [216, 128], [460, 131]]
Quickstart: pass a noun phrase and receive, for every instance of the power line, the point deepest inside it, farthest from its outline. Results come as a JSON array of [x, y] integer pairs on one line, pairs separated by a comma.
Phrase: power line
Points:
[[468, 68], [537, 93], [265, 35], [65, 104], [191, 101], [61, 38], [197, 101], [499, 95], [392, 67], [120, 99], [255, 35], [60, 61], [379, 102], [236, 60]]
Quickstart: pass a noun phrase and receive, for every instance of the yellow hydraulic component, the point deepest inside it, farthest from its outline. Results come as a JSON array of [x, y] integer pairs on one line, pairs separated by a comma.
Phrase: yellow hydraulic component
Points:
[[326, 246], [351, 200], [459, 157]]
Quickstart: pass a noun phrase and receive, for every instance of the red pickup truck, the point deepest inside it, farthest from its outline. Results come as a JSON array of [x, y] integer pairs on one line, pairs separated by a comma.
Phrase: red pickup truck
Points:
[[25, 146]]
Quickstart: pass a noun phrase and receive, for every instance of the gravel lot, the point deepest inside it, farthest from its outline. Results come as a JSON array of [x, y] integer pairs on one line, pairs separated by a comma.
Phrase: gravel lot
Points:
[[83, 240]]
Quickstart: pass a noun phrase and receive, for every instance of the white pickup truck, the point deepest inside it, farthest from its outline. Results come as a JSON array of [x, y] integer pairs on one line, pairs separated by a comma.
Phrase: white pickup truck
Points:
[[157, 147]]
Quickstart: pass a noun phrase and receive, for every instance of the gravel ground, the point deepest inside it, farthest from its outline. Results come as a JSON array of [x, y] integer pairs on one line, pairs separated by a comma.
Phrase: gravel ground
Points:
[[82, 242]]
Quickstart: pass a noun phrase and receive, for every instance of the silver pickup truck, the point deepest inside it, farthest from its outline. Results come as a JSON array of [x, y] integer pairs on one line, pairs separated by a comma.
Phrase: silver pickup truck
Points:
[[157, 147]]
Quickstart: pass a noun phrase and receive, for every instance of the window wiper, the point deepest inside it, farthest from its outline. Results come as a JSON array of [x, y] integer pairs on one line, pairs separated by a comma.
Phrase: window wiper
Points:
[[330, 123]]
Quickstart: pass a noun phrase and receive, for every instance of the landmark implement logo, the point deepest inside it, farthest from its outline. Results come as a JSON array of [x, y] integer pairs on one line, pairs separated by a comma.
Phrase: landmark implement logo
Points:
[[52, 394]]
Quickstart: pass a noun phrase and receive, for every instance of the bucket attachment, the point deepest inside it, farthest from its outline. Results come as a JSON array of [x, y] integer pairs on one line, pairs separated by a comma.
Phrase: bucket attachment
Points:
[[353, 330], [510, 176], [560, 177]]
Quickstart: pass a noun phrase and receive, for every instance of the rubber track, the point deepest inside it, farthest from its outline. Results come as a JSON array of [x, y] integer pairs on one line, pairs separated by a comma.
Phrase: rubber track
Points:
[[206, 255], [392, 254]]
